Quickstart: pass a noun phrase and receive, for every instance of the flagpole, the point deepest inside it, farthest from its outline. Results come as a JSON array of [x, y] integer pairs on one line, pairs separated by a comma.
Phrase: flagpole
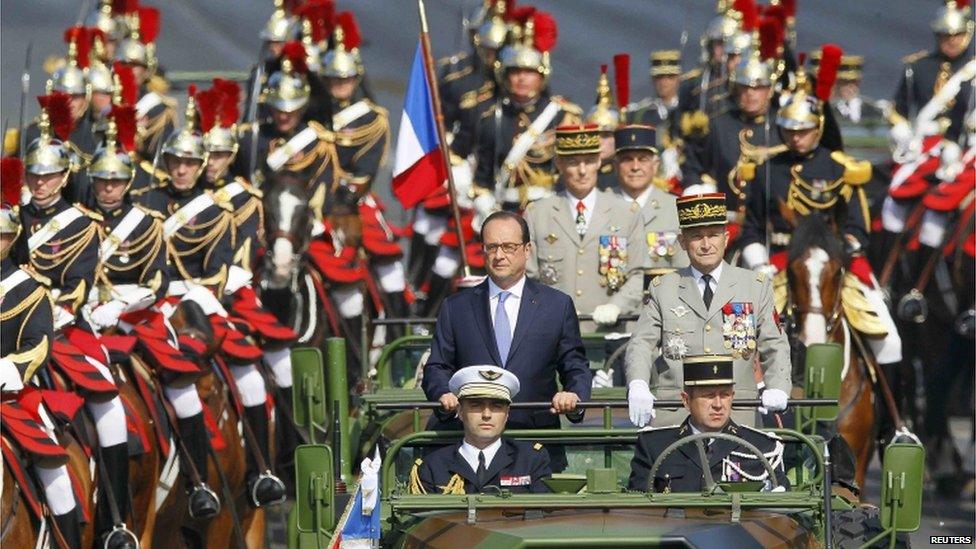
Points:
[[439, 117]]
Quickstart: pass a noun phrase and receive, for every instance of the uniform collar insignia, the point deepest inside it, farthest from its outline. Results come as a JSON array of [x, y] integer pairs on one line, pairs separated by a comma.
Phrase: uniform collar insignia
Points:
[[679, 311]]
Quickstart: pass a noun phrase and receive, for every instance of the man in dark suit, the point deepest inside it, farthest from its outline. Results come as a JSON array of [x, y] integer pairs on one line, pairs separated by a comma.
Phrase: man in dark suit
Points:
[[521, 325], [483, 458], [708, 392]]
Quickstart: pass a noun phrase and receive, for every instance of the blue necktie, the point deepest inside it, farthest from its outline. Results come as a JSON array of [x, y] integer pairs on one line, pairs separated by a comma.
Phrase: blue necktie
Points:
[[503, 330]]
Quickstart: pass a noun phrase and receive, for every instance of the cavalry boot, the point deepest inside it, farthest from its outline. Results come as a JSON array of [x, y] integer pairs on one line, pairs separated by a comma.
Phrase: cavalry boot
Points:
[[115, 536], [263, 486], [203, 502], [288, 440], [439, 286], [420, 253], [69, 528], [396, 307], [354, 354]]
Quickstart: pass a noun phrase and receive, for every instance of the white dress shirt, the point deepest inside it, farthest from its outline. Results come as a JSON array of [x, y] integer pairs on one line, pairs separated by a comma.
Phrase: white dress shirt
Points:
[[470, 453], [589, 202], [511, 303], [641, 199], [716, 275]]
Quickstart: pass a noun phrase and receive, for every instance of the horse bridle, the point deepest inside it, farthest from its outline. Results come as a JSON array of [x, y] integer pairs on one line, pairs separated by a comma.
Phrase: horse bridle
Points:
[[835, 309]]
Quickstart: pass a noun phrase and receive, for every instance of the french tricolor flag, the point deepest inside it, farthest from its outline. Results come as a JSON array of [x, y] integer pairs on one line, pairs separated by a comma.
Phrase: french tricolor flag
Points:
[[419, 166]]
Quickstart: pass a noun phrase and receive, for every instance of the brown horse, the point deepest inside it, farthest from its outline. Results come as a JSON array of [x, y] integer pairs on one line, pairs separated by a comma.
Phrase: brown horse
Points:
[[226, 475], [815, 280]]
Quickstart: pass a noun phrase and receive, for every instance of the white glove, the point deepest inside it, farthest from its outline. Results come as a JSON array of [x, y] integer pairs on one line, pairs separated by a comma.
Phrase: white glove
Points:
[[133, 296], [318, 227], [755, 255], [62, 317], [640, 402], [369, 482], [767, 269], [484, 205], [603, 378], [107, 314], [463, 181], [670, 163], [9, 376], [237, 278], [606, 314], [535, 192], [773, 400], [206, 300]]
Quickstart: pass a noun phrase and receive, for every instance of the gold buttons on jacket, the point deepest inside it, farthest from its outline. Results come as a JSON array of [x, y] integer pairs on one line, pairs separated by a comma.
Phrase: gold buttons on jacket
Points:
[[579, 292], [708, 327]]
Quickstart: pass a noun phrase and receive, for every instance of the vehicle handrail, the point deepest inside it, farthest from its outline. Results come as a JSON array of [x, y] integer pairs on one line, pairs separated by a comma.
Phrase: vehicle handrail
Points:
[[744, 403]]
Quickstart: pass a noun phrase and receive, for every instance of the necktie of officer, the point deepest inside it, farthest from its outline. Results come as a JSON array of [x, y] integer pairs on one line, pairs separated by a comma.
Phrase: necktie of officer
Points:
[[482, 471], [707, 295], [503, 328], [580, 218]]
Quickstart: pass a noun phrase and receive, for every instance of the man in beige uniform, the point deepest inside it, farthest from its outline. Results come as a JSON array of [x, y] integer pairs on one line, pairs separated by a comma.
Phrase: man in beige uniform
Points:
[[587, 243], [637, 164], [708, 307]]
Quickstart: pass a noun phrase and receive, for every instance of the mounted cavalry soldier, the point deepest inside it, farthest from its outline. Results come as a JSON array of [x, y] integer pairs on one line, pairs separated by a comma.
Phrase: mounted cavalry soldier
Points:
[[808, 180], [706, 308], [661, 110], [588, 243], [515, 145], [708, 390], [200, 235], [132, 277], [26, 320], [62, 243], [607, 118]]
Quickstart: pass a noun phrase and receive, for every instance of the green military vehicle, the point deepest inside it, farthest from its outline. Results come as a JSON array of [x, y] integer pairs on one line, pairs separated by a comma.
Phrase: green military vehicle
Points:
[[588, 505]]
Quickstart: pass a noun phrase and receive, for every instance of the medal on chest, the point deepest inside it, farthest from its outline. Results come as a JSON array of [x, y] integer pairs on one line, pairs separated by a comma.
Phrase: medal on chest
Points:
[[739, 328], [661, 244], [675, 348], [613, 261]]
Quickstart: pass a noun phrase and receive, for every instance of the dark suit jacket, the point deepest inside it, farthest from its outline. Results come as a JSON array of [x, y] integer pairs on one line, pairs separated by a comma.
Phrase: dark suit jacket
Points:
[[547, 342], [518, 466]]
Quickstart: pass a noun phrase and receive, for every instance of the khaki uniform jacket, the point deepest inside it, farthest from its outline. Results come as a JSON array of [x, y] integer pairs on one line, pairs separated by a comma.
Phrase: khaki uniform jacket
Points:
[[661, 227], [564, 261], [675, 324]]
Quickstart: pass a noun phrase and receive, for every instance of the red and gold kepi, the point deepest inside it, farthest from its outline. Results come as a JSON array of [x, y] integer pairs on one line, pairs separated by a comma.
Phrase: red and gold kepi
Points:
[[708, 370], [578, 139], [700, 210]]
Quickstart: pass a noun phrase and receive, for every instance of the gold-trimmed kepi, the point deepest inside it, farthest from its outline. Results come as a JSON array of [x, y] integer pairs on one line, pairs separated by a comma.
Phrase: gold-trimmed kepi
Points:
[[700, 370], [635, 137], [699, 210], [578, 139], [666, 63], [484, 382]]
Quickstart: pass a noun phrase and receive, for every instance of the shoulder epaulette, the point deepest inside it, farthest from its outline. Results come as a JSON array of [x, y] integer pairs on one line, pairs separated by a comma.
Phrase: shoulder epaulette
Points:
[[148, 211], [773, 436], [657, 281], [469, 99], [642, 104], [153, 171], [688, 75], [322, 133], [41, 279], [760, 276], [226, 205], [913, 57], [856, 172], [251, 189], [452, 76], [567, 105], [92, 214]]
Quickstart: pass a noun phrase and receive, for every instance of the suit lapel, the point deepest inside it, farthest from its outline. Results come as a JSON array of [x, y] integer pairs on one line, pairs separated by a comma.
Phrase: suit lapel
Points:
[[461, 467], [528, 307], [482, 317], [688, 292], [601, 216], [690, 451], [560, 211], [725, 291]]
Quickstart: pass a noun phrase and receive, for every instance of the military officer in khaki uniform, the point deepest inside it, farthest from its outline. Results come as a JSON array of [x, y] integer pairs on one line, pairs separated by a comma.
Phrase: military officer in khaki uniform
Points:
[[637, 162], [708, 307], [587, 243]]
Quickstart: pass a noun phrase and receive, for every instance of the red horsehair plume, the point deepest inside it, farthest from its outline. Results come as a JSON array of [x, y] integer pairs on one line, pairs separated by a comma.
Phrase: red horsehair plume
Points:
[[789, 7], [520, 14], [510, 7], [11, 179], [321, 14], [58, 108], [771, 37], [290, 5], [801, 58], [230, 97], [294, 51], [125, 125], [122, 7], [82, 41], [148, 24], [129, 91], [208, 102], [750, 14], [621, 77], [353, 38], [775, 12], [827, 73], [546, 31]]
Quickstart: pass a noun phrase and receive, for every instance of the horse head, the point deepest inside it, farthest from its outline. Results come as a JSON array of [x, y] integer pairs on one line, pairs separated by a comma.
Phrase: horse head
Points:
[[815, 273], [288, 221]]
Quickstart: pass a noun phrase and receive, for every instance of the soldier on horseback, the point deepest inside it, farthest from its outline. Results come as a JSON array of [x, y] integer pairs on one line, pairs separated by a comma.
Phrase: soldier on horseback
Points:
[[131, 279], [200, 234], [62, 244], [26, 311]]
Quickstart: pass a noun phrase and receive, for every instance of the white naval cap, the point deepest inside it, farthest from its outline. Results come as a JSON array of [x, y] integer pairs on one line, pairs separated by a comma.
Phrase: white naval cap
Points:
[[484, 382]]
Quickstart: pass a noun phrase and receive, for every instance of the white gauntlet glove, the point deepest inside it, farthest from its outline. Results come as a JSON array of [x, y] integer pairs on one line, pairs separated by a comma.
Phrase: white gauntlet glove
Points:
[[606, 314], [62, 317], [603, 378], [107, 314], [640, 402], [773, 400], [206, 300], [237, 278], [484, 205], [10, 380]]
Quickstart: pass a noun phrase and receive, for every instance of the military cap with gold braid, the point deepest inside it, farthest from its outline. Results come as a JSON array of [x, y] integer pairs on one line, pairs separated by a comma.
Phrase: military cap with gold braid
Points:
[[484, 382], [578, 139], [666, 63], [700, 210], [701, 370]]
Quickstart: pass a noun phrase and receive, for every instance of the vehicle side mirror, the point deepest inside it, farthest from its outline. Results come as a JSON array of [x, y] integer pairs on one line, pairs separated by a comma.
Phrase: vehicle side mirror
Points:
[[308, 402], [824, 365], [314, 514], [901, 487]]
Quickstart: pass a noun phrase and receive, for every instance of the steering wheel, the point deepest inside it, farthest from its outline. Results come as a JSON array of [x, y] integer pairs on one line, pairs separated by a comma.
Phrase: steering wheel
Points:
[[703, 459]]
